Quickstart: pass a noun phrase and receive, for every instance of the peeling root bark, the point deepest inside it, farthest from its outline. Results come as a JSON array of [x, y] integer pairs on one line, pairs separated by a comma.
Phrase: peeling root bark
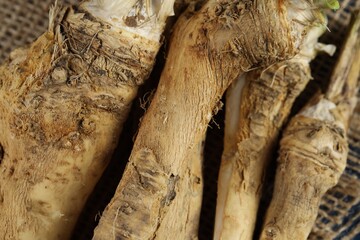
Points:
[[313, 150], [210, 47], [63, 102], [186, 199], [257, 107]]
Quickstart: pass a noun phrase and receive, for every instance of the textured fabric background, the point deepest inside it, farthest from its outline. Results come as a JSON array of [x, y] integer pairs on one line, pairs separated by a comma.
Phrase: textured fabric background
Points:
[[22, 21]]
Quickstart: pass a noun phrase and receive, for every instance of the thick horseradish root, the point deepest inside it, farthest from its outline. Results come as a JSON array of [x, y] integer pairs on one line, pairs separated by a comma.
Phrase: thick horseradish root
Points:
[[210, 47], [63, 102], [314, 148], [256, 108]]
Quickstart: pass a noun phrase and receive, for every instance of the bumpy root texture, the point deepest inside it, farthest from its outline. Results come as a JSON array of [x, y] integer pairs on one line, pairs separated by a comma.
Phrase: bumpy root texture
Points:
[[210, 47], [313, 149], [257, 107], [63, 102]]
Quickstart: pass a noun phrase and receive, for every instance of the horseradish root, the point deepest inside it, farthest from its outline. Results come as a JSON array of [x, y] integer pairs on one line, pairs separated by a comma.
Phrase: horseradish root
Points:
[[313, 149], [210, 47], [256, 108], [187, 202], [63, 101]]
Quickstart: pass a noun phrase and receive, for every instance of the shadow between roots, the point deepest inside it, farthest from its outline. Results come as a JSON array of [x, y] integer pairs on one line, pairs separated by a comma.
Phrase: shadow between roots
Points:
[[212, 157]]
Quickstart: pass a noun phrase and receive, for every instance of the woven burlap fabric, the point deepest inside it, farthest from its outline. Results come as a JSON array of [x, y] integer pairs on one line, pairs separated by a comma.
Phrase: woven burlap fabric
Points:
[[22, 21]]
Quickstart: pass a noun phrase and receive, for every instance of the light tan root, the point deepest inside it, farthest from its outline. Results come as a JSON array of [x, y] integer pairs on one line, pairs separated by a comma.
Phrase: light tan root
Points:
[[257, 107], [210, 48], [63, 102], [313, 149]]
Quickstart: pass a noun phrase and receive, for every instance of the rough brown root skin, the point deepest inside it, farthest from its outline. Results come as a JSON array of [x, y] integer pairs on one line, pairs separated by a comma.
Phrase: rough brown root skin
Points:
[[313, 150], [312, 158], [257, 107], [209, 49], [264, 105], [63, 103], [187, 201]]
